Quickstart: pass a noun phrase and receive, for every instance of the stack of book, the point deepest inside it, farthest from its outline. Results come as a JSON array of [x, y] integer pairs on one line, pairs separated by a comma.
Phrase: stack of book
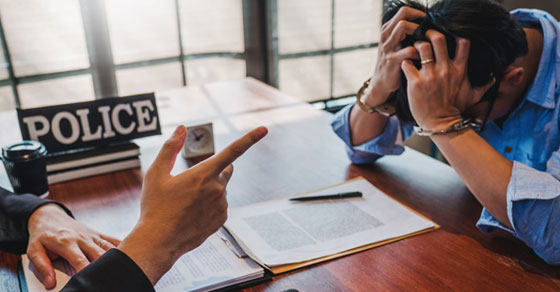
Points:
[[91, 161]]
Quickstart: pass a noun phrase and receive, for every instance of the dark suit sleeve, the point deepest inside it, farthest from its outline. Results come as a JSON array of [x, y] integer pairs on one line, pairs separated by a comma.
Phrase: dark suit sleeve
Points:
[[113, 271], [15, 211]]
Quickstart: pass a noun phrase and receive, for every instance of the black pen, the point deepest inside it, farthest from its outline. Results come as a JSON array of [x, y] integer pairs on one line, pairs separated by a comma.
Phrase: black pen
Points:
[[329, 197]]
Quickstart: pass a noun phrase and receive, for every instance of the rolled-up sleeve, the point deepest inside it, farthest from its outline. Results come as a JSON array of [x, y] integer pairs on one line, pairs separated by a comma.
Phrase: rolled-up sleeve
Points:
[[390, 142], [533, 208]]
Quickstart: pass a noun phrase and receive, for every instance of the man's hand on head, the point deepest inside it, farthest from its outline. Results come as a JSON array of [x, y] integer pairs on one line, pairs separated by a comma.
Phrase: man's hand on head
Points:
[[179, 212], [387, 76], [53, 234], [440, 92]]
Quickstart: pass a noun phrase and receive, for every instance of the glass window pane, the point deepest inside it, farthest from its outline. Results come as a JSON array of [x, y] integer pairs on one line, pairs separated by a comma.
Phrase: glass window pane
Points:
[[56, 91], [200, 71], [306, 78], [212, 26], [44, 37], [149, 79], [351, 69], [357, 22], [7, 101], [303, 25], [142, 29]]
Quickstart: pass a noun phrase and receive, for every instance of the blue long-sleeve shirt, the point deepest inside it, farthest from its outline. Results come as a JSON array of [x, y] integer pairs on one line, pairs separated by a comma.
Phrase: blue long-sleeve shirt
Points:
[[530, 137]]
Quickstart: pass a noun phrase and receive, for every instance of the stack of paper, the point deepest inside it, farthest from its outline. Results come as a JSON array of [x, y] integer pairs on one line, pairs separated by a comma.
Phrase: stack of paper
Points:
[[216, 264], [284, 235]]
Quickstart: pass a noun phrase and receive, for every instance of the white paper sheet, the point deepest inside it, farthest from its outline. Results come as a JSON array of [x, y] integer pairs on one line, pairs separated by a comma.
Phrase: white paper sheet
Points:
[[210, 266], [281, 232], [63, 272]]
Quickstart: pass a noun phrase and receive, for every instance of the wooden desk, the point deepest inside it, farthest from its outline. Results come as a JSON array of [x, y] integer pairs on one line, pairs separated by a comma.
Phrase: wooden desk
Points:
[[301, 153]]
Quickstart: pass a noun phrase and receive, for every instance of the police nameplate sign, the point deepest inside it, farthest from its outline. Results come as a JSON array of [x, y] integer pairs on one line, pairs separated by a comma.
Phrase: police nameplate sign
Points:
[[92, 123]]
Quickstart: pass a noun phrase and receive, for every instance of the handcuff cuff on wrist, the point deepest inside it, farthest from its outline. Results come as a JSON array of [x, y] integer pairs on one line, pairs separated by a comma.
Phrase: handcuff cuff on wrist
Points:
[[382, 109], [388, 111], [457, 127]]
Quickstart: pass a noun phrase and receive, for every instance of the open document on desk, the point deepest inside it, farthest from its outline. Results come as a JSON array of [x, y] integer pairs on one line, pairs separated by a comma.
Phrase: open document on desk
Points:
[[283, 235], [216, 264]]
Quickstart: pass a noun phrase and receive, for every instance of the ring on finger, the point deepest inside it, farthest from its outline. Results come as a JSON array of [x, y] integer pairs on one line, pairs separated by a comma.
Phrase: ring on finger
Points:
[[100, 242], [426, 61]]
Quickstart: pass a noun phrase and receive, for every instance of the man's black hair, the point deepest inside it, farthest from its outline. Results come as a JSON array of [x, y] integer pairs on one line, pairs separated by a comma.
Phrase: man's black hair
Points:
[[497, 39]]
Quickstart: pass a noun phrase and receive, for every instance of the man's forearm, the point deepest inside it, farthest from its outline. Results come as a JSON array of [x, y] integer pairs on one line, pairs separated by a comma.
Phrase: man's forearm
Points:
[[483, 170], [149, 254]]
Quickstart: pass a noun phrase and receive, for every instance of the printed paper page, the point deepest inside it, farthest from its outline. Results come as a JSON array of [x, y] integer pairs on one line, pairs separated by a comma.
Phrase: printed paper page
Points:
[[210, 266], [281, 232]]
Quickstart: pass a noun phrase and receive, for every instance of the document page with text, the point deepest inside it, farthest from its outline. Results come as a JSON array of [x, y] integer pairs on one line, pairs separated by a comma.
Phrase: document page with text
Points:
[[211, 266], [281, 232]]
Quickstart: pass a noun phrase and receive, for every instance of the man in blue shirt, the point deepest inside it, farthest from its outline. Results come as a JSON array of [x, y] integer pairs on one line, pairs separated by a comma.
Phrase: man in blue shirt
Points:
[[500, 132]]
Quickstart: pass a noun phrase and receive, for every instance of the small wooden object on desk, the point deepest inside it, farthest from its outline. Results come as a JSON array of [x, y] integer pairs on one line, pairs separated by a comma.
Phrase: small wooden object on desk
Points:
[[199, 144]]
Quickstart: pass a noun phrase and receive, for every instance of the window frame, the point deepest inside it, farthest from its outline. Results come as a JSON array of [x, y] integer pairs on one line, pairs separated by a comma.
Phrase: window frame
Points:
[[275, 56], [261, 55]]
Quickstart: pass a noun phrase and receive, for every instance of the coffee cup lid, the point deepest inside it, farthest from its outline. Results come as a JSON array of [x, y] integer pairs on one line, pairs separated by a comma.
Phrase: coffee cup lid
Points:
[[23, 151]]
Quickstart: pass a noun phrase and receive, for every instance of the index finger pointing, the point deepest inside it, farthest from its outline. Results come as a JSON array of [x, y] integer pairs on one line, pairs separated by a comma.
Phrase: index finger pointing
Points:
[[221, 160]]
